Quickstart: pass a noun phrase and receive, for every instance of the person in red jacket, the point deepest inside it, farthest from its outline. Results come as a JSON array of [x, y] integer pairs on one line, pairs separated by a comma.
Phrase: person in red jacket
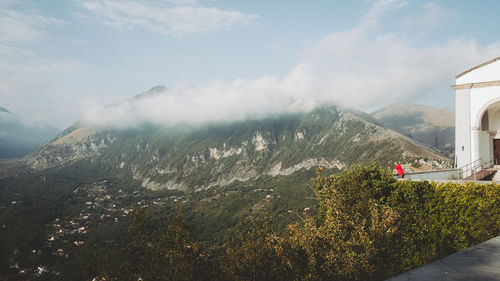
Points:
[[399, 169]]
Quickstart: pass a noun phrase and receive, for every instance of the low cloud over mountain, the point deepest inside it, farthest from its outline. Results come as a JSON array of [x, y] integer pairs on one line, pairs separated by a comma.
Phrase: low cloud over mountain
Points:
[[360, 68]]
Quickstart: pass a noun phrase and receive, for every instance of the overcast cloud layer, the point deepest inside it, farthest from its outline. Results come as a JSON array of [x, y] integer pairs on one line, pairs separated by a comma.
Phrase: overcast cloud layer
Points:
[[359, 68]]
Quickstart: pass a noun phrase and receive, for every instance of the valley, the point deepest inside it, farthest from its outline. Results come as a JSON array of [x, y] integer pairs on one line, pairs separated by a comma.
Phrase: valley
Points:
[[53, 225], [76, 193], [245, 140]]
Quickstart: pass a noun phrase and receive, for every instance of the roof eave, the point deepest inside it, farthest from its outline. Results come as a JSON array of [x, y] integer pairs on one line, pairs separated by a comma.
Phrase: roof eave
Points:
[[476, 67]]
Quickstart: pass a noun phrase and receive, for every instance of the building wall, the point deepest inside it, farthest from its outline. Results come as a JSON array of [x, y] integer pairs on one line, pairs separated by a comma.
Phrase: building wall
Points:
[[462, 128], [472, 142], [434, 175], [494, 116], [484, 143], [486, 73], [480, 98]]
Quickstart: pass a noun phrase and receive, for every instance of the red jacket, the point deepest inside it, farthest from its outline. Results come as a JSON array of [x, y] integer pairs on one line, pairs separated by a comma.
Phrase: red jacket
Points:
[[400, 169]]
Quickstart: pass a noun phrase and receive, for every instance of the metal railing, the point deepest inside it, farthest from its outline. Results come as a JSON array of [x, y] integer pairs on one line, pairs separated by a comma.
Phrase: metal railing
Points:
[[473, 168], [463, 171]]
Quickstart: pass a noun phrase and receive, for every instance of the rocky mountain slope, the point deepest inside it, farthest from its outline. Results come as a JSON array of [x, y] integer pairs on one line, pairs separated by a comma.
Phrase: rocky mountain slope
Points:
[[198, 157], [18, 138], [430, 126]]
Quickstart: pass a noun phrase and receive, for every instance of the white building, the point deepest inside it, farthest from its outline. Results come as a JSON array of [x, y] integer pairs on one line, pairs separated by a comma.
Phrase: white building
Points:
[[477, 111]]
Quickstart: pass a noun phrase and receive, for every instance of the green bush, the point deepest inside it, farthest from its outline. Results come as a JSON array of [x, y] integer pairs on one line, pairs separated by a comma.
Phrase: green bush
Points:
[[369, 227]]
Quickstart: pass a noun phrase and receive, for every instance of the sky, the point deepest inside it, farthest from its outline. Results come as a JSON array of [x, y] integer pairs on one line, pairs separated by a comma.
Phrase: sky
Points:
[[67, 60]]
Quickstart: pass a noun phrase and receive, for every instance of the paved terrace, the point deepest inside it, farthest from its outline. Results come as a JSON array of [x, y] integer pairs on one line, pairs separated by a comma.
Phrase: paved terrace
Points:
[[481, 262]]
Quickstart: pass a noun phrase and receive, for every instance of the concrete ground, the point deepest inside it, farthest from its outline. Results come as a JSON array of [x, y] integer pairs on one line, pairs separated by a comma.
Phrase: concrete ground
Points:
[[481, 262]]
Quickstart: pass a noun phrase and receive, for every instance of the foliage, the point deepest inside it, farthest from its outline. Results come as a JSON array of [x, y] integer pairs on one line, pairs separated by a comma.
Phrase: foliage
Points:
[[366, 226], [258, 253], [351, 237], [440, 219], [163, 254], [371, 227]]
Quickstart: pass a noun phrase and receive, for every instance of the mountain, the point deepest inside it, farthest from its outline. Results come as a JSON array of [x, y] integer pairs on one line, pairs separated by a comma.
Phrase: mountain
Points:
[[84, 184], [17, 138], [158, 90], [430, 126], [199, 157]]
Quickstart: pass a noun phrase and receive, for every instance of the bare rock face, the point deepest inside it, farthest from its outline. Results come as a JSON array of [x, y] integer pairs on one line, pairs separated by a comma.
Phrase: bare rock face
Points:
[[195, 158]]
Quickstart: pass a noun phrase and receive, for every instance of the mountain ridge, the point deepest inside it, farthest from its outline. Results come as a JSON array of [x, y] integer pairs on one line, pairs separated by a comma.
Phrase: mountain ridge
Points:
[[199, 157], [430, 126]]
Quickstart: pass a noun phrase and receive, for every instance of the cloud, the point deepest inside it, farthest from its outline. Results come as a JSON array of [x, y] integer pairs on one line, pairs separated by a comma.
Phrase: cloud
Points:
[[23, 27], [41, 90], [7, 51], [194, 104], [183, 2], [357, 68], [428, 17], [31, 84], [434, 14], [379, 9], [385, 69], [180, 17]]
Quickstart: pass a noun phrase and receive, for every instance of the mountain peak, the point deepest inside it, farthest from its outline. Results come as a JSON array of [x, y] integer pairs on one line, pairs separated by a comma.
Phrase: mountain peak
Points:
[[4, 110], [428, 125], [152, 92], [159, 88]]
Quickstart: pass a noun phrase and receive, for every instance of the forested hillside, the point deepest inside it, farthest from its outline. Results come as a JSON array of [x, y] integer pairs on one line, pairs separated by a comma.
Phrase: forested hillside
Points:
[[357, 224]]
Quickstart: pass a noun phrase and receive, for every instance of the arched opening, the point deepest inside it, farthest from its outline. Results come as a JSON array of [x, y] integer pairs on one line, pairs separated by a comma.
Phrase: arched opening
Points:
[[488, 139]]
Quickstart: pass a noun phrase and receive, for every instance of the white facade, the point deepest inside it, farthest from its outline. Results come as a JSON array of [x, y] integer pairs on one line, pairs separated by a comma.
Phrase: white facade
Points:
[[477, 111]]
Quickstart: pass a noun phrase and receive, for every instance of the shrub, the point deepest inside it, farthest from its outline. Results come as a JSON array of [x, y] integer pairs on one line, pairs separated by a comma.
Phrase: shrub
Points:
[[369, 227]]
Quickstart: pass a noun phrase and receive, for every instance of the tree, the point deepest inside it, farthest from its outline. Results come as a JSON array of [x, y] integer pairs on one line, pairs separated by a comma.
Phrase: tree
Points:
[[166, 253], [351, 237], [258, 253]]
